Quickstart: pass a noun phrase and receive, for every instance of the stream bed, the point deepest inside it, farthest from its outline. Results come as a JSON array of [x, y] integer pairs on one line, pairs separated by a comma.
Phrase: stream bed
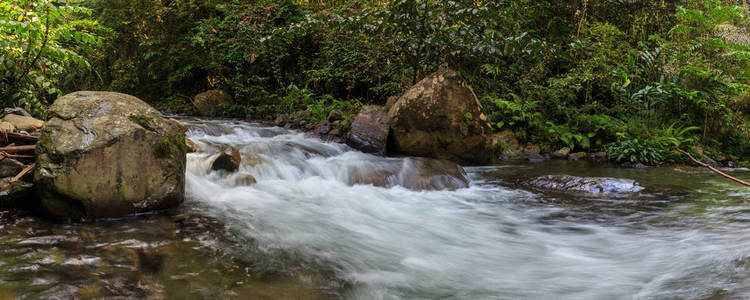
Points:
[[311, 229]]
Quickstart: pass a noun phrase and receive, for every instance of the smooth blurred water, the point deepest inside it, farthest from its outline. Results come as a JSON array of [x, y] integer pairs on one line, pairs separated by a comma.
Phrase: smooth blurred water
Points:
[[684, 237], [312, 228]]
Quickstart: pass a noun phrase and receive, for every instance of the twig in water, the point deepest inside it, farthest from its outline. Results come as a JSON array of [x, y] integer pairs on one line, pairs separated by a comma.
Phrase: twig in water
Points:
[[712, 168], [19, 176]]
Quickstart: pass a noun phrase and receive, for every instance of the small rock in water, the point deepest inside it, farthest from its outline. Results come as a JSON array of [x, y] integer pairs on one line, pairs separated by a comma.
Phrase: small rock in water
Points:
[[10, 167], [561, 154], [432, 174], [577, 156], [373, 176], [599, 155], [16, 195], [586, 184], [369, 132], [149, 261], [536, 157], [191, 146], [323, 127], [244, 179], [228, 160]]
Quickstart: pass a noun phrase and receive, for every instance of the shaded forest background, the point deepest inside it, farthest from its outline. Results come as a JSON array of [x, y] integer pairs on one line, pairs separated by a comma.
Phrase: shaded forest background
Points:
[[630, 77]]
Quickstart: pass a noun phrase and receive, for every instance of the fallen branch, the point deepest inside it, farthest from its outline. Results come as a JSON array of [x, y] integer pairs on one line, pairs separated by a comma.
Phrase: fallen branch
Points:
[[14, 149], [19, 176], [22, 137], [712, 168], [16, 156]]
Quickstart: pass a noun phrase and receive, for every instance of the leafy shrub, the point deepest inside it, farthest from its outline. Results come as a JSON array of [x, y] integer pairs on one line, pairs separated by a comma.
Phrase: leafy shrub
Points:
[[41, 44], [636, 151]]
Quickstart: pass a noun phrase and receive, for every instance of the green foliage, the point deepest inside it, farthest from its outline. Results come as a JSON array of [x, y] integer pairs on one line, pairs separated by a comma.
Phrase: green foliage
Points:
[[636, 151], [42, 45], [581, 74], [325, 104]]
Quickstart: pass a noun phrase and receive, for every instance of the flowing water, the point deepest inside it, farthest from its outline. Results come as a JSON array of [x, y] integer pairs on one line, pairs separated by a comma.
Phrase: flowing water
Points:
[[324, 221]]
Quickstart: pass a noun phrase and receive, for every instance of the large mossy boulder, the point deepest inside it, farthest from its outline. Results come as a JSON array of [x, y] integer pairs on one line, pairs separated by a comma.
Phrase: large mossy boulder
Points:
[[211, 103], [105, 154], [441, 117]]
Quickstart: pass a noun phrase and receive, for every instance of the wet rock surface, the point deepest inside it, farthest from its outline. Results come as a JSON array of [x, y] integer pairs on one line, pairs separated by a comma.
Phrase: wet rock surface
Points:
[[243, 179], [432, 174], [440, 117], [104, 154], [369, 131], [569, 183], [19, 194], [10, 167], [229, 160], [415, 173]]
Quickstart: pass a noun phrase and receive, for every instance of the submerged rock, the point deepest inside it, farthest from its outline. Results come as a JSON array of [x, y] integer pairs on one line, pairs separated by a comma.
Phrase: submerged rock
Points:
[[105, 154], [191, 146], [10, 167], [244, 179], [209, 103], [586, 184], [228, 160], [561, 154], [432, 174], [416, 173], [16, 194], [440, 117], [369, 131], [577, 156], [376, 176]]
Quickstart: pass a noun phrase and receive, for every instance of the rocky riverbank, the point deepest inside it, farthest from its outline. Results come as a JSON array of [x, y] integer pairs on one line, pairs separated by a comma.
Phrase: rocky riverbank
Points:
[[18, 134], [440, 117]]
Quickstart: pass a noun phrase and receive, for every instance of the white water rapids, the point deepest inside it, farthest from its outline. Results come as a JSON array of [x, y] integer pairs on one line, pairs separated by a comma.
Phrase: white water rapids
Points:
[[482, 242]]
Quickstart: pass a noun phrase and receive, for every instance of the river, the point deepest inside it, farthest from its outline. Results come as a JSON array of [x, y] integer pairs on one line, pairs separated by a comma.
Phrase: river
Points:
[[307, 230]]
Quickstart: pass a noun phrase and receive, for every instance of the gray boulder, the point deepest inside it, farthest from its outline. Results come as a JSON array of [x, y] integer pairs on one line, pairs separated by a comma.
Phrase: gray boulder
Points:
[[105, 154], [369, 131]]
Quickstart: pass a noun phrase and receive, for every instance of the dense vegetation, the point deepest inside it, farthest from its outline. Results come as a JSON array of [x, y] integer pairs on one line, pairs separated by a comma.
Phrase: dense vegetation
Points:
[[634, 77]]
